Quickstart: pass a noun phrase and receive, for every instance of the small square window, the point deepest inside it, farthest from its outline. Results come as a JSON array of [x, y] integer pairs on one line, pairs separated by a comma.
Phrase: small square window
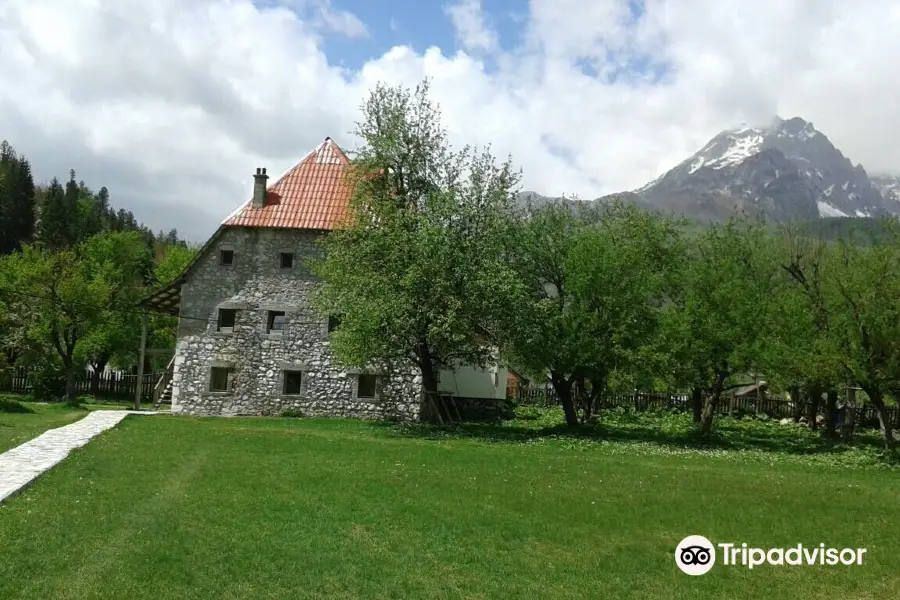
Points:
[[287, 260], [226, 257], [334, 322], [221, 379], [276, 322], [293, 383], [227, 319], [367, 386]]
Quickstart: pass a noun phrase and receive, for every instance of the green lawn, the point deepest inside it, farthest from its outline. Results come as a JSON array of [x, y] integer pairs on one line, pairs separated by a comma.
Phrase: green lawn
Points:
[[22, 421], [183, 508], [19, 427]]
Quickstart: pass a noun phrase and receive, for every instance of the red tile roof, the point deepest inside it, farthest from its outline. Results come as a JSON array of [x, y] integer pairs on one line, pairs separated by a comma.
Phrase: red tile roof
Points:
[[315, 194]]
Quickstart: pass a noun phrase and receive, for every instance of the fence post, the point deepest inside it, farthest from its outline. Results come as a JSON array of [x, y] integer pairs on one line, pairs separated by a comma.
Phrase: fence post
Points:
[[139, 381]]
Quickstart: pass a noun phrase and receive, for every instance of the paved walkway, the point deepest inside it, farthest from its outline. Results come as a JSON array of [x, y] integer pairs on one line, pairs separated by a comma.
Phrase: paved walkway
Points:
[[19, 466]]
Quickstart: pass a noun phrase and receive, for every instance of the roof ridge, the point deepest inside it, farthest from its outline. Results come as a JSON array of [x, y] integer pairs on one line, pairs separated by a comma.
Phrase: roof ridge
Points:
[[313, 193], [310, 154], [338, 148]]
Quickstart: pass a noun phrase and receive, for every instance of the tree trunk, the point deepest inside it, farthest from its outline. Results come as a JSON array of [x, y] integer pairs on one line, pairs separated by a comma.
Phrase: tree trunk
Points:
[[849, 415], [12, 355], [814, 392], [563, 388], [429, 377], [429, 384], [595, 400], [588, 398], [887, 428], [712, 401], [582, 398], [71, 389], [697, 404], [797, 397], [95, 376], [831, 414]]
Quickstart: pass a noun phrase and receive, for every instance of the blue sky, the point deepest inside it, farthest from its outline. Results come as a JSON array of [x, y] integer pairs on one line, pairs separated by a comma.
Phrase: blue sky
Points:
[[421, 24], [415, 23]]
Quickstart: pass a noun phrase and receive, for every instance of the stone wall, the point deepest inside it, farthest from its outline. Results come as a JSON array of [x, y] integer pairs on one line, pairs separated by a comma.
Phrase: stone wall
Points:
[[253, 285]]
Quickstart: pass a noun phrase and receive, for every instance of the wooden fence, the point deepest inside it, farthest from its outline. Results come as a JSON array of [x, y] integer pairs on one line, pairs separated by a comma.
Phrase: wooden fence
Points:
[[777, 408], [112, 385]]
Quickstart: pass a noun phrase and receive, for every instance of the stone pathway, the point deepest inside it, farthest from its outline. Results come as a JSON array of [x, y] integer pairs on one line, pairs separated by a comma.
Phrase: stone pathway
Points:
[[22, 464]]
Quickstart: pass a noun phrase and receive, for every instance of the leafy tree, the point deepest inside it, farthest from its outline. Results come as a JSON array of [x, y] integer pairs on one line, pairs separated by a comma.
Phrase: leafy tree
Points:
[[840, 320], [544, 331], [594, 283], [715, 325], [13, 332], [863, 299], [123, 261], [802, 352], [66, 301], [172, 262], [419, 271]]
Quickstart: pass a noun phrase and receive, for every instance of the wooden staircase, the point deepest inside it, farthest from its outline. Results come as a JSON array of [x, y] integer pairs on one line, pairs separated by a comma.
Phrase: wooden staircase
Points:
[[162, 392]]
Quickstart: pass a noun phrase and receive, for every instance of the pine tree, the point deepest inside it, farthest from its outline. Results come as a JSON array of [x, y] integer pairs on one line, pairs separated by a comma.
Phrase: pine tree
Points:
[[23, 202], [55, 228], [90, 217], [103, 207], [121, 220], [73, 208], [68, 214], [5, 225], [17, 200]]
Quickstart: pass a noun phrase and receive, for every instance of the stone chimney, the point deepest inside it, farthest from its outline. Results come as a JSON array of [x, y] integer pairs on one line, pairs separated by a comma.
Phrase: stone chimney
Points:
[[259, 188]]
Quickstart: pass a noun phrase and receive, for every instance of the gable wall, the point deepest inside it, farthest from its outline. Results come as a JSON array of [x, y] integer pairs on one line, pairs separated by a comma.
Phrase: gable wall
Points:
[[255, 284]]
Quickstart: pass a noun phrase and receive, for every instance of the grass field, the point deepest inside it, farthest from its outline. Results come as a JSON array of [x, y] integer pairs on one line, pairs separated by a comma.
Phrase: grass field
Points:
[[175, 507], [21, 421], [18, 426]]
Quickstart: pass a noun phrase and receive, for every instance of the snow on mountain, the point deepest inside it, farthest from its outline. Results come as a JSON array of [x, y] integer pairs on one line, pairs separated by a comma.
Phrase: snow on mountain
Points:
[[889, 186], [827, 210], [785, 170], [730, 148]]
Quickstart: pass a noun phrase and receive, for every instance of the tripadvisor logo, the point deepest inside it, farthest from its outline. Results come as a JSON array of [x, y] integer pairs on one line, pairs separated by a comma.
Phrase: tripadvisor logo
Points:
[[696, 555]]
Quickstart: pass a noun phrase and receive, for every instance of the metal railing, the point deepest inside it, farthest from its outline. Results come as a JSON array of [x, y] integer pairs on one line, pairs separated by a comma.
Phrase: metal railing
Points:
[[165, 380]]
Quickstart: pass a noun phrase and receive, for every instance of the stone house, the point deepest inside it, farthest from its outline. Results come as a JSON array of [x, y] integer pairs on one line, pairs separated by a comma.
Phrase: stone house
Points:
[[249, 341]]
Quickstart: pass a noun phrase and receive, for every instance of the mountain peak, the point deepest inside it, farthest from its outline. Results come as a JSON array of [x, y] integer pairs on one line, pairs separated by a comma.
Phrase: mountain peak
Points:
[[794, 127], [784, 168]]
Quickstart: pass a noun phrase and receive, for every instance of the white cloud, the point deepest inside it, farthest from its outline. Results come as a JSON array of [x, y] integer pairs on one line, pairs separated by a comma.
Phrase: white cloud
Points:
[[471, 24], [327, 17], [172, 104], [340, 21]]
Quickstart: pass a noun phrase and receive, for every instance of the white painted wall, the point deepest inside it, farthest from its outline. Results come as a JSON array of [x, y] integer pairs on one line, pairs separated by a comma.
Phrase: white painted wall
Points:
[[472, 382]]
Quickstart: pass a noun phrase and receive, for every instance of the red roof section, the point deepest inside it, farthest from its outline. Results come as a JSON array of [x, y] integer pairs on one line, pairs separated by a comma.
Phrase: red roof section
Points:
[[315, 194]]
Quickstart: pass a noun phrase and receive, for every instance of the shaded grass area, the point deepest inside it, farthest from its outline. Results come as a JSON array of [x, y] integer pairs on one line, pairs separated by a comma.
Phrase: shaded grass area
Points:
[[22, 420], [18, 426], [176, 507], [748, 438]]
